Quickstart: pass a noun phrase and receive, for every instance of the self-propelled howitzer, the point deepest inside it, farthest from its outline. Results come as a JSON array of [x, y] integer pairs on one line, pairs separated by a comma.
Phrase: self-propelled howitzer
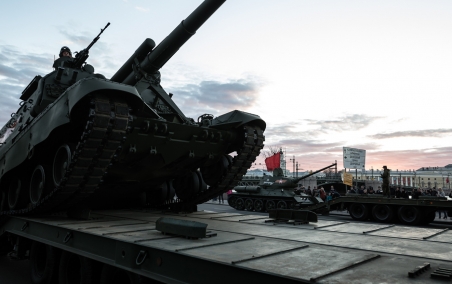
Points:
[[80, 140], [275, 191]]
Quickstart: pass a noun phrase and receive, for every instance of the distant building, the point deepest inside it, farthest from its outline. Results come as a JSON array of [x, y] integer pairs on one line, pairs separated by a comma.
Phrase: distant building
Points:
[[426, 177]]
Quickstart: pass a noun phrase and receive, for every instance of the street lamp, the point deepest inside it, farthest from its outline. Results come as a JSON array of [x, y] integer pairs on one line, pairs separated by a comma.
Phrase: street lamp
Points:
[[293, 162]]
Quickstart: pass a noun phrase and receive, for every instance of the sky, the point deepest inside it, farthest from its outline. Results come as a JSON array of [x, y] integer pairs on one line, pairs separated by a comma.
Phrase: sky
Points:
[[372, 75]]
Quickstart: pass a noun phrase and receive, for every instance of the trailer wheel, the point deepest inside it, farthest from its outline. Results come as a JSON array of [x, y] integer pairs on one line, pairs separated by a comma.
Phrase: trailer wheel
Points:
[[409, 215], [111, 274], [258, 205], [75, 269], [358, 211], [249, 204], [428, 217], [43, 263], [239, 204], [382, 213]]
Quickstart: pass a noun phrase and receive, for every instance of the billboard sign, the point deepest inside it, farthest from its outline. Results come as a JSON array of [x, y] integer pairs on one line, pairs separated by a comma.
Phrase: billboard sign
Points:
[[354, 158]]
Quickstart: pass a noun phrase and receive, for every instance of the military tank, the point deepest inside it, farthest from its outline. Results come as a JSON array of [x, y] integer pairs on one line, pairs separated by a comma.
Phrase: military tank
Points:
[[273, 192], [79, 140]]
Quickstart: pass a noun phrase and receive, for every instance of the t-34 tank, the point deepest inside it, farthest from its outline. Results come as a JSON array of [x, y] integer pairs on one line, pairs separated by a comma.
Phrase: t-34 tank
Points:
[[273, 192], [81, 140]]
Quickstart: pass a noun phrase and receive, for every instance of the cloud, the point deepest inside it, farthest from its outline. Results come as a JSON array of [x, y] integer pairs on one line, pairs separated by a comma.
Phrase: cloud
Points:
[[141, 9], [345, 123], [215, 97], [413, 133]]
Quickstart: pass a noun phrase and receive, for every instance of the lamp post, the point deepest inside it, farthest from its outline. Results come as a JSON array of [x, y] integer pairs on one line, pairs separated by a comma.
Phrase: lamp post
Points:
[[293, 162]]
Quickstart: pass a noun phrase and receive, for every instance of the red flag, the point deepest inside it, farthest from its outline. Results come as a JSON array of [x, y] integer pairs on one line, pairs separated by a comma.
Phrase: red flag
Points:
[[273, 162], [447, 180]]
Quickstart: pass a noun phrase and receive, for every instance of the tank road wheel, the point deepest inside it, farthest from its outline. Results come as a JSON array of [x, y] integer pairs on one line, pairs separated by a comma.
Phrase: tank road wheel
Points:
[[382, 213], [75, 269], [269, 205], [111, 274], [187, 185], [409, 215], [61, 162], [281, 205], [249, 204], [258, 205], [358, 211], [212, 174], [43, 263], [37, 184], [232, 200], [239, 204], [2, 201], [14, 192]]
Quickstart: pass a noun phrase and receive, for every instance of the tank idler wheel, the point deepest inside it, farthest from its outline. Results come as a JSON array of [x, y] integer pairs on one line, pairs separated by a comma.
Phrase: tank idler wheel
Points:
[[61, 163], [75, 269], [258, 205], [358, 211], [187, 186], [409, 215], [214, 173], [43, 263], [37, 184], [14, 191], [232, 201], [281, 205], [239, 204], [269, 205], [382, 213]]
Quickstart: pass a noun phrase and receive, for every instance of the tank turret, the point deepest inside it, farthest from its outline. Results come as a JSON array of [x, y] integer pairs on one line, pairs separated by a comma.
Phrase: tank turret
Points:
[[81, 141]]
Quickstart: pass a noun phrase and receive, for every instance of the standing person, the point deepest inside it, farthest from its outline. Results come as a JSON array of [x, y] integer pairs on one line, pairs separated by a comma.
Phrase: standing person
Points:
[[334, 193], [322, 193], [385, 176], [220, 198], [361, 189], [398, 193], [441, 194]]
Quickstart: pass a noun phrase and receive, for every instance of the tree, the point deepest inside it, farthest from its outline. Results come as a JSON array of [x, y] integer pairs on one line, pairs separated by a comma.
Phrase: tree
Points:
[[272, 150]]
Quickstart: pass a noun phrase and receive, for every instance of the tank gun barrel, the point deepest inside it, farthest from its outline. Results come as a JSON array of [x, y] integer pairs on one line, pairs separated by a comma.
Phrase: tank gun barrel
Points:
[[171, 44], [313, 173]]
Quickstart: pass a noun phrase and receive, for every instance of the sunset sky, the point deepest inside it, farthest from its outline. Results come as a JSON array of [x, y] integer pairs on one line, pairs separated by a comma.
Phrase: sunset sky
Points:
[[373, 75]]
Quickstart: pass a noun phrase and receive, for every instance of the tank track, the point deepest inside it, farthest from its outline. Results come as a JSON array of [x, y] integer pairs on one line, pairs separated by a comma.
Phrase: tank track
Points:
[[99, 143], [246, 155]]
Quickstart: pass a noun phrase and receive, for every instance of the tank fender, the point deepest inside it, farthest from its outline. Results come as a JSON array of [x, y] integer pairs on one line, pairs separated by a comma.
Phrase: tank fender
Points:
[[84, 87], [236, 119]]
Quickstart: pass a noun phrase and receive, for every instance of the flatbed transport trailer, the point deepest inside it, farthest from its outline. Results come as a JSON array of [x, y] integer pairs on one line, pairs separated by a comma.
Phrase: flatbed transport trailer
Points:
[[383, 209], [242, 249]]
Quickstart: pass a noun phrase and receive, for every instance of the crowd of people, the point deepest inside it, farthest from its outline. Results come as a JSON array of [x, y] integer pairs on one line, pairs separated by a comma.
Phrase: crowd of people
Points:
[[319, 192]]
